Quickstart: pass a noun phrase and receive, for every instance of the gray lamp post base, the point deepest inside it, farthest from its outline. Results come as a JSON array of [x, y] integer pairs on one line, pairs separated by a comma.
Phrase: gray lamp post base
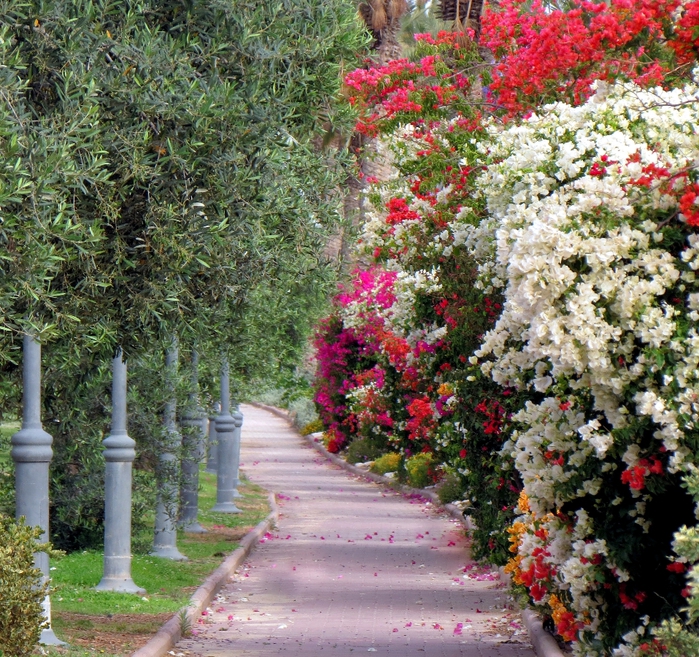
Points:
[[48, 638], [168, 552], [193, 528], [119, 586], [165, 537], [226, 507]]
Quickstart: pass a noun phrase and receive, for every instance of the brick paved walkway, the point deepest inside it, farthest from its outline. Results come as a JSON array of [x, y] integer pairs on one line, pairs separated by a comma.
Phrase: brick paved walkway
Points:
[[352, 568]]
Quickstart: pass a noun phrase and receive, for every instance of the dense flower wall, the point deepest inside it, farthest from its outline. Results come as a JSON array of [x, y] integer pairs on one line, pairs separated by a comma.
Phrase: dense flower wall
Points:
[[530, 316]]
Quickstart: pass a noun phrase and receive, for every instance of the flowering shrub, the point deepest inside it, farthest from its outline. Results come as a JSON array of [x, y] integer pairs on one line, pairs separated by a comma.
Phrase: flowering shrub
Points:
[[546, 55], [403, 91], [538, 337], [599, 318], [420, 394]]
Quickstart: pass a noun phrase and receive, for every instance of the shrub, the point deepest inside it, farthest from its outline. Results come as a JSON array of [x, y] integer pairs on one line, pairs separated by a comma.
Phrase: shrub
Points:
[[387, 463], [23, 589], [362, 450], [451, 489], [312, 427], [304, 412], [420, 470]]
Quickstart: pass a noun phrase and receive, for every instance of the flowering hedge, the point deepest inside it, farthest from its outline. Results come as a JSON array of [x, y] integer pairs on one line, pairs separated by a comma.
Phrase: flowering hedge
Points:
[[530, 315], [598, 262]]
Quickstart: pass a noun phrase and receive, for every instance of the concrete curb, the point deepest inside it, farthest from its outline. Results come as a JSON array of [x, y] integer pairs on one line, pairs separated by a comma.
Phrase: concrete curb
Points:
[[171, 632], [544, 644]]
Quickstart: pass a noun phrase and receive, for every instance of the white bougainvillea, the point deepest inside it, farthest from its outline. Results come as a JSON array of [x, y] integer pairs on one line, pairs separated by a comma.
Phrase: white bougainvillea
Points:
[[597, 265]]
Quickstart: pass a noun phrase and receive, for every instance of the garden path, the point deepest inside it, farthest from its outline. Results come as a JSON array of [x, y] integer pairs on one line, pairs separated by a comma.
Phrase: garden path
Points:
[[351, 568]]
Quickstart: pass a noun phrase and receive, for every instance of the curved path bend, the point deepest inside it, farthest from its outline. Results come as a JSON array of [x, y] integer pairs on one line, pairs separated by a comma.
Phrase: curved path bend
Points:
[[352, 568]]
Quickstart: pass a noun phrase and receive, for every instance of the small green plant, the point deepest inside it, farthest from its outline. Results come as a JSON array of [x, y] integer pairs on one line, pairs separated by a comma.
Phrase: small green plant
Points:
[[420, 470], [386, 463], [23, 587], [451, 489], [312, 427], [185, 622], [362, 450]]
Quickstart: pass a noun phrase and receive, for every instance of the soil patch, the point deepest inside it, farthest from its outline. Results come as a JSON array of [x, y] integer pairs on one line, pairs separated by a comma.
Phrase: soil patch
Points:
[[116, 634]]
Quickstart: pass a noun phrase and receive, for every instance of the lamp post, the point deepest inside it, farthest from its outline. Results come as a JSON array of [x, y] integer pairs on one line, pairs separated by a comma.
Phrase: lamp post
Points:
[[192, 439], [119, 454], [31, 452], [165, 540], [238, 419], [212, 444], [225, 432]]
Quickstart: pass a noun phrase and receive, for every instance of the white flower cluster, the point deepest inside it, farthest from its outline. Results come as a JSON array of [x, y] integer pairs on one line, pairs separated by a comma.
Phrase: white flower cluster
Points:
[[595, 302]]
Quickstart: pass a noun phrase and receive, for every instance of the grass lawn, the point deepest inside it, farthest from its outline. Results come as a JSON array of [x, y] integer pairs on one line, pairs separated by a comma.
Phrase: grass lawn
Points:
[[102, 623]]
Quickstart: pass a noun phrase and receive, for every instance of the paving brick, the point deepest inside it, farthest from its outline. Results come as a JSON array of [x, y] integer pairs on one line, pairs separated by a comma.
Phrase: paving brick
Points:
[[352, 568]]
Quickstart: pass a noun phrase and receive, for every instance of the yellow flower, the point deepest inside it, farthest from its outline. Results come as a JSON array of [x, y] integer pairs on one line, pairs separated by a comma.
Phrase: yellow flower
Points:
[[445, 389]]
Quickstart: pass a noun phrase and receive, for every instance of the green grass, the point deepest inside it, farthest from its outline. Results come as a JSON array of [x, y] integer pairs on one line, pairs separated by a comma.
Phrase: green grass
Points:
[[6, 431], [169, 584]]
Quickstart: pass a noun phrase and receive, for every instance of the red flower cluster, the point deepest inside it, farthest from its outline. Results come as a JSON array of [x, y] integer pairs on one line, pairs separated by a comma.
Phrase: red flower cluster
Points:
[[545, 54], [653, 648], [398, 211], [676, 567], [688, 205], [631, 601], [495, 413], [538, 573], [686, 42], [635, 476], [567, 627], [421, 422]]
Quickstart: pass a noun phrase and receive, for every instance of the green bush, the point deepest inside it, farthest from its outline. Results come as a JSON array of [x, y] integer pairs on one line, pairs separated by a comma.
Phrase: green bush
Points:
[[312, 427], [419, 470], [387, 463], [21, 613], [362, 450], [451, 488]]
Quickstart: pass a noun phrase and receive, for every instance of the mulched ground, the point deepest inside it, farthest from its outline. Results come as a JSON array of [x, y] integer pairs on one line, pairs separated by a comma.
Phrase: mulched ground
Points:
[[116, 634]]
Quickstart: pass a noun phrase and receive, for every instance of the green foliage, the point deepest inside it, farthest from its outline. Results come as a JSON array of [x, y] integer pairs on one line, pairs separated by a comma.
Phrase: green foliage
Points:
[[162, 174], [680, 635], [7, 471], [420, 470], [391, 462], [451, 488], [361, 450], [164, 155], [23, 588]]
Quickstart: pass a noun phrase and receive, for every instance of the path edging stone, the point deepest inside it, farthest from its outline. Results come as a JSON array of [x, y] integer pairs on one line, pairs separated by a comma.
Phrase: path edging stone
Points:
[[171, 632], [544, 644]]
